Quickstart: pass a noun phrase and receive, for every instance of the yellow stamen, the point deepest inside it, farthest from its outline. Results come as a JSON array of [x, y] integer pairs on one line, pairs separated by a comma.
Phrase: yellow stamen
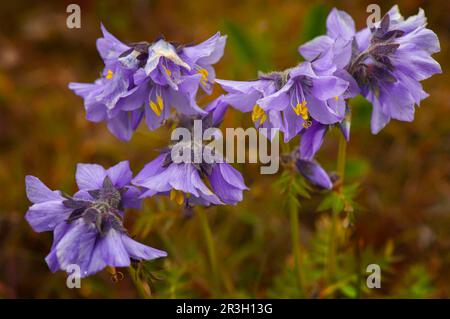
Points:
[[258, 114], [263, 119], [204, 74], [158, 106], [297, 109], [177, 196], [168, 72], [301, 110], [155, 108], [160, 102], [109, 75], [336, 98]]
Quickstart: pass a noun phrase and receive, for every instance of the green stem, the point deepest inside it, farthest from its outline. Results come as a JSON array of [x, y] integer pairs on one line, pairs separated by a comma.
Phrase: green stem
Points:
[[341, 159], [331, 265], [295, 237], [210, 247], [332, 248]]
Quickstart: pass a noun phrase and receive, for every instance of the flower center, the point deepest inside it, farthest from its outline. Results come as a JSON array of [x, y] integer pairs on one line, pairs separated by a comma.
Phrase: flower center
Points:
[[301, 110], [103, 210]]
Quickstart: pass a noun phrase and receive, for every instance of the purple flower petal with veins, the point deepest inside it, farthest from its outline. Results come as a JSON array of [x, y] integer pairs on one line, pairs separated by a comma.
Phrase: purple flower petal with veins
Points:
[[88, 227], [202, 56], [395, 56], [306, 97]]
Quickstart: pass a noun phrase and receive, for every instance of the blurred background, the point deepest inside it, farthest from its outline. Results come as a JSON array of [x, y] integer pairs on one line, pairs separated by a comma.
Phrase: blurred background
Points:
[[403, 219]]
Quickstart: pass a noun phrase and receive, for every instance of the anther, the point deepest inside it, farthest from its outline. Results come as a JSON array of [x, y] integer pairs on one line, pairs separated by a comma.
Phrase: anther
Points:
[[158, 106], [258, 114], [109, 75], [204, 74]]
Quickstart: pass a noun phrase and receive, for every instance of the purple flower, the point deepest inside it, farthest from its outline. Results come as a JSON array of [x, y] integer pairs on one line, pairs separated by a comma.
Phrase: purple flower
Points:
[[186, 183], [314, 173], [332, 51], [210, 181], [202, 56], [156, 84], [156, 99], [289, 101], [310, 142], [147, 80], [102, 97], [330, 54], [88, 227], [217, 109], [394, 57], [304, 97], [244, 96]]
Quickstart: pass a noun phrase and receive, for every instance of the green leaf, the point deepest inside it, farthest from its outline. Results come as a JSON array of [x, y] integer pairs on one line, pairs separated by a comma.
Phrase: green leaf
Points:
[[350, 191], [291, 185], [338, 204], [334, 202], [327, 203]]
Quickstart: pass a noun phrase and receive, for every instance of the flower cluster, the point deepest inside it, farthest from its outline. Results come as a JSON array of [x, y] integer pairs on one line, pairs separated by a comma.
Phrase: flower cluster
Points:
[[141, 80], [145, 80], [385, 64], [387, 61], [159, 80]]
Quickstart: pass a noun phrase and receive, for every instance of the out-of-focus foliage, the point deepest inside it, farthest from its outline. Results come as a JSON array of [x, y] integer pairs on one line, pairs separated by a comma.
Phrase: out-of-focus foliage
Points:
[[401, 207]]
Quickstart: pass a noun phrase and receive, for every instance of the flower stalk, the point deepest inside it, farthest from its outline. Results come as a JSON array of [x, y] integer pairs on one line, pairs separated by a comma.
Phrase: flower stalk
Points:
[[341, 160], [212, 256], [296, 247], [294, 222]]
